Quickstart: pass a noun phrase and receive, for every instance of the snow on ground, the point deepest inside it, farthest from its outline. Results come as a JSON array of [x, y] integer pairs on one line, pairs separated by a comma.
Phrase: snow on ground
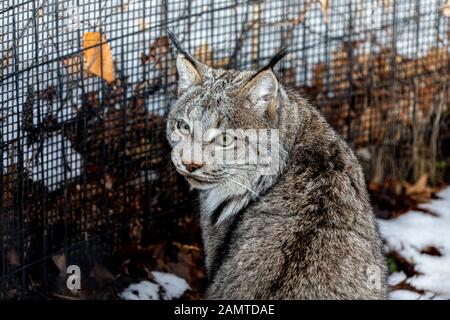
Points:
[[174, 286], [413, 232], [144, 290], [167, 287], [408, 235]]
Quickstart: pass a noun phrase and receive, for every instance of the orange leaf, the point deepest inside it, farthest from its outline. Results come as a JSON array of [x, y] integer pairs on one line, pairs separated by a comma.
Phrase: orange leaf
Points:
[[419, 187], [97, 56]]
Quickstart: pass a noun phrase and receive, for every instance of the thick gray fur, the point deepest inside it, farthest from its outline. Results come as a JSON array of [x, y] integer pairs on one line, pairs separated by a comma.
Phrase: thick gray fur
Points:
[[305, 232]]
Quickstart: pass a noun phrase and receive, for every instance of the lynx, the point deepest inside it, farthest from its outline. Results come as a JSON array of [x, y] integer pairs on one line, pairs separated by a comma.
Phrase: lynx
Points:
[[304, 229]]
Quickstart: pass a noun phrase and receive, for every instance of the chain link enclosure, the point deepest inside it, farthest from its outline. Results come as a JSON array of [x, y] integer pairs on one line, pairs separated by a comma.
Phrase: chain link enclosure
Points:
[[86, 85]]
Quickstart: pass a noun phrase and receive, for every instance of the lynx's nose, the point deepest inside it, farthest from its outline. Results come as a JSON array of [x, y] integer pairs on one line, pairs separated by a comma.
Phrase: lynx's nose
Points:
[[191, 160], [191, 167]]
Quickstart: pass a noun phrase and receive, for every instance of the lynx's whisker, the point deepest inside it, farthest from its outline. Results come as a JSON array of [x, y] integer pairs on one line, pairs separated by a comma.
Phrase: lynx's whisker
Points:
[[247, 188]]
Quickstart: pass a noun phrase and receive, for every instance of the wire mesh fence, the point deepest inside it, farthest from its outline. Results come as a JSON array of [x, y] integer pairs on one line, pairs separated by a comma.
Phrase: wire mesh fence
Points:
[[85, 87]]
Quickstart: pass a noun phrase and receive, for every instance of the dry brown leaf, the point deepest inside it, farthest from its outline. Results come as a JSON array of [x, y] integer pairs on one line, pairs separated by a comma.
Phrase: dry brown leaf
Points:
[[419, 187], [405, 265], [12, 258], [432, 251], [203, 53], [405, 285], [421, 192], [48, 93], [60, 262], [187, 247], [159, 49], [101, 274], [97, 56]]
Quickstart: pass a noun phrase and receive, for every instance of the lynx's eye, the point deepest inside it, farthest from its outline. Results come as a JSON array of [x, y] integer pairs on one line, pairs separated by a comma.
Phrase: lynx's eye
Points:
[[183, 127], [224, 139]]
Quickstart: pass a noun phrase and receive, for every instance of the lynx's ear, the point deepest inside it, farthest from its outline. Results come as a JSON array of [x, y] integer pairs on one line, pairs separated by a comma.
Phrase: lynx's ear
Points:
[[188, 74], [190, 71], [262, 89]]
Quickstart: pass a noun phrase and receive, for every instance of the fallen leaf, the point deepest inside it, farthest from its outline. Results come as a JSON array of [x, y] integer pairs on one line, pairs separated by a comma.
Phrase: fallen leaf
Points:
[[145, 58], [97, 56], [403, 264], [432, 251], [405, 285], [101, 274], [48, 94], [187, 247], [12, 258], [420, 192], [204, 54], [419, 187], [159, 49], [60, 262]]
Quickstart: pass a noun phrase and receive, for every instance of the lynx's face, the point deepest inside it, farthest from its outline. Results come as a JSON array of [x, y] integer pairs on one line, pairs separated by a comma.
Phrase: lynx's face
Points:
[[220, 128]]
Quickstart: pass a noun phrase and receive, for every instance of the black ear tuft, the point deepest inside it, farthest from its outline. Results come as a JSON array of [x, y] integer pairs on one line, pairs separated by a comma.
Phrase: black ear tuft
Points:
[[280, 55], [177, 45]]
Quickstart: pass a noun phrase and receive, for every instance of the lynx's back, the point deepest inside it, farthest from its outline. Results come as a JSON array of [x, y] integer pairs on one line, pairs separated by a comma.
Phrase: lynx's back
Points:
[[302, 230], [311, 235]]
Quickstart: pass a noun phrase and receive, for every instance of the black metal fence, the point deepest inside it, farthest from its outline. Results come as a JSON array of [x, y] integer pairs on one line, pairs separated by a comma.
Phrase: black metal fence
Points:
[[85, 87]]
